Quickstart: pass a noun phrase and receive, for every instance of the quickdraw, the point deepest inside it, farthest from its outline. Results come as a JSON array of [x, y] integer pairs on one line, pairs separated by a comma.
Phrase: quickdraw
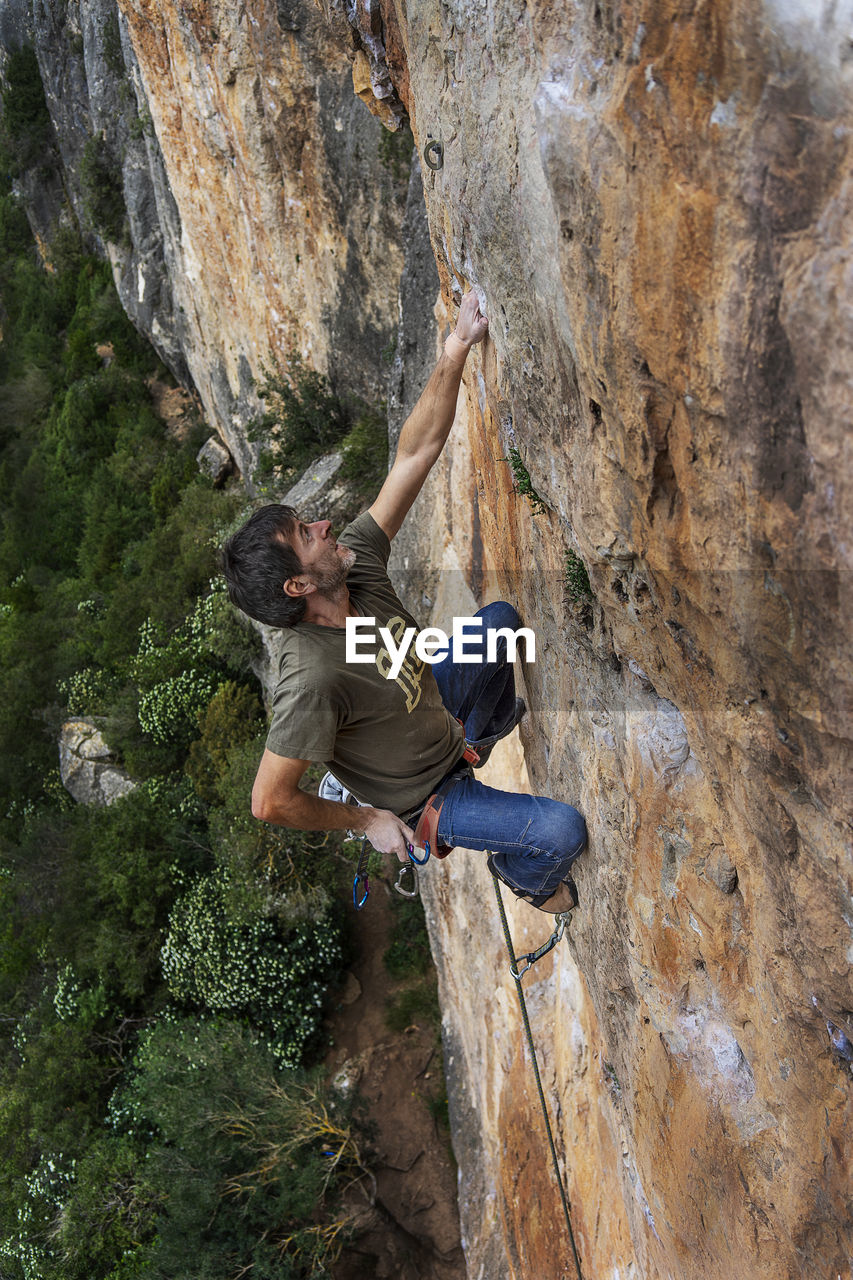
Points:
[[361, 877], [561, 924]]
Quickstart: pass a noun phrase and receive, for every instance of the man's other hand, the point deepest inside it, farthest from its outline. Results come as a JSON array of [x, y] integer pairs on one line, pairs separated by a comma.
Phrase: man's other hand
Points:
[[471, 325], [388, 833]]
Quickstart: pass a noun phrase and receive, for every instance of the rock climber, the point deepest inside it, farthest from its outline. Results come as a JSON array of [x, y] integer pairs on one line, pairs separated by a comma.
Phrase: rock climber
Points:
[[396, 746]]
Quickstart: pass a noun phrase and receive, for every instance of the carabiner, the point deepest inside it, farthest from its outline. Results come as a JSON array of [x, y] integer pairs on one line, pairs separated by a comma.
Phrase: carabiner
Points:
[[410, 850], [358, 905], [398, 883]]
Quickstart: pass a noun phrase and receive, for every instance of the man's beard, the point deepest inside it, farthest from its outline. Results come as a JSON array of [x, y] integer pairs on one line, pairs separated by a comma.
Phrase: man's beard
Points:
[[330, 582]]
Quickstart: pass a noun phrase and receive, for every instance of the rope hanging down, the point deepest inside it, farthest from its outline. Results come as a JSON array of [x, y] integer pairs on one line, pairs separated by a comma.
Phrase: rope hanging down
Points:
[[513, 968]]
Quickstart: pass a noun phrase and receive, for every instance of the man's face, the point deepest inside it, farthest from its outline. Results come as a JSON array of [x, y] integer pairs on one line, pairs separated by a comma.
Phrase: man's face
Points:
[[323, 560]]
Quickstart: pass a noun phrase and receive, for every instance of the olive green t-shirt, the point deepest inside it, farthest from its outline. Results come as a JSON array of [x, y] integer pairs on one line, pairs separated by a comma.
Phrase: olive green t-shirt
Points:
[[388, 741]]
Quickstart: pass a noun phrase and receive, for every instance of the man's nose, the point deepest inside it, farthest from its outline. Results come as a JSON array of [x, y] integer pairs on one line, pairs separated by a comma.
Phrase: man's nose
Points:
[[323, 527]]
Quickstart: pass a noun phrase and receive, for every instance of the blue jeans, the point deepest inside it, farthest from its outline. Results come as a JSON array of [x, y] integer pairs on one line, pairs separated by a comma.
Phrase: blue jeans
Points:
[[534, 839]]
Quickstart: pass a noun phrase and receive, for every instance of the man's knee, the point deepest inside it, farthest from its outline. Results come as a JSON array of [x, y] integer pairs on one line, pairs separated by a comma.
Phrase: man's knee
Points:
[[560, 830], [499, 614]]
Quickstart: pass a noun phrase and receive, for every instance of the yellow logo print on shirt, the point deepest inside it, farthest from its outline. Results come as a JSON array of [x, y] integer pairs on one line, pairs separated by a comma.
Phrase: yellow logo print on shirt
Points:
[[412, 670]]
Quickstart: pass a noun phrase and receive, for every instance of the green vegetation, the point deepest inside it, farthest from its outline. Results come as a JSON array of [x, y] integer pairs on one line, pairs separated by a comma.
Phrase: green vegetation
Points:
[[25, 128], [576, 578], [523, 483], [408, 953], [163, 961], [407, 957], [103, 189], [304, 418]]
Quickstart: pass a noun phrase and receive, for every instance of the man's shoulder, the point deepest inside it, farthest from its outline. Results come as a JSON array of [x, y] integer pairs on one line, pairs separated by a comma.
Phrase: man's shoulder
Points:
[[370, 543]]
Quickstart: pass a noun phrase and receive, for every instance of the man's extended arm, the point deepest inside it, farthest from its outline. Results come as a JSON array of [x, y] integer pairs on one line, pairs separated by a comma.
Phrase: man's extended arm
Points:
[[277, 797], [428, 425]]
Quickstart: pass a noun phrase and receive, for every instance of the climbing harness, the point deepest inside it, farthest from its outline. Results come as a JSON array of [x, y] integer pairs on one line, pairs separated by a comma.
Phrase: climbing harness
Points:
[[531, 958]]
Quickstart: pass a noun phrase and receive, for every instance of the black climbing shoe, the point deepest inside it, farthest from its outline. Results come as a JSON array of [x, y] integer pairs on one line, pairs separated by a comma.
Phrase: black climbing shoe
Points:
[[563, 898], [485, 750]]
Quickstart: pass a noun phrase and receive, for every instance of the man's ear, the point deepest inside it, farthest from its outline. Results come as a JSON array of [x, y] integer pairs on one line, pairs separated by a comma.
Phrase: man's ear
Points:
[[298, 587]]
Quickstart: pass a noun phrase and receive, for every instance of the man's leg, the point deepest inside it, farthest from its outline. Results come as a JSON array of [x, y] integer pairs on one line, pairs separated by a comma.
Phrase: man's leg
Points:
[[482, 694], [534, 839]]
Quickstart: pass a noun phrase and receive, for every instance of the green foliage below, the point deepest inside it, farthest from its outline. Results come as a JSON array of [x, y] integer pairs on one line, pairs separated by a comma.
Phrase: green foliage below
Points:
[[103, 189], [304, 419], [213, 1164], [233, 717], [251, 966], [576, 578], [124, 930], [365, 452], [523, 483], [25, 128], [408, 953]]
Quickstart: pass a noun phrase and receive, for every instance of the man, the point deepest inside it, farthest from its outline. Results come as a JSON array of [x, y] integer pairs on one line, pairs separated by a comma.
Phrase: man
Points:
[[395, 744]]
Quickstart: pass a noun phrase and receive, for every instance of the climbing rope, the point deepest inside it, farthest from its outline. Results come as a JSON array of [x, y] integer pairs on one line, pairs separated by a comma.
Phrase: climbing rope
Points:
[[513, 968]]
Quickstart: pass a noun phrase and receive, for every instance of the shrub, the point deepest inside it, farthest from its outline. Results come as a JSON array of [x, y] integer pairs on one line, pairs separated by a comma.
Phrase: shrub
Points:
[[169, 711], [365, 451], [303, 419], [26, 128], [249, 1163], [249, 967], [103, 189], [232, 717]]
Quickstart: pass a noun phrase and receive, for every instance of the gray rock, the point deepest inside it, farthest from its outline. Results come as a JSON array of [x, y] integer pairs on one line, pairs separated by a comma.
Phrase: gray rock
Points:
[[214, 460], [313, 485], [87, 767]]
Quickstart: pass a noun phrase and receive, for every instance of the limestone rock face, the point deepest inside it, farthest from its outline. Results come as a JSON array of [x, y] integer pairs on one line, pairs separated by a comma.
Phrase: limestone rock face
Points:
[[86, 765], [260, 217], [288, 222], [654, 202]]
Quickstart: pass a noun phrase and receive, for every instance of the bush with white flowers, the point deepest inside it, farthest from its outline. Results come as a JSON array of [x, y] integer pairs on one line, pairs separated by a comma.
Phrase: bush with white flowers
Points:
[[251, 968]]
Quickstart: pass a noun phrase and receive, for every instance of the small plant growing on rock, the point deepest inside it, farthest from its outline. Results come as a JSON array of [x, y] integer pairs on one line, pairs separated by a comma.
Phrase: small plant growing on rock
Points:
[[576, 579], [523, 483]]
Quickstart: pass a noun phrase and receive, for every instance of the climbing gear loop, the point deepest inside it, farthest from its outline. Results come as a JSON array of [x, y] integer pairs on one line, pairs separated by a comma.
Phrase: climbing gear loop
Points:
[[405, 868], [562, 922], [434, 155], [513, 968]]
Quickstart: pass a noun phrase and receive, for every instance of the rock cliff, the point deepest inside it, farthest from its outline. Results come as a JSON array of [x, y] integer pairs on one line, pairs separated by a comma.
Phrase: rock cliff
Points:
[[654, 200]]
